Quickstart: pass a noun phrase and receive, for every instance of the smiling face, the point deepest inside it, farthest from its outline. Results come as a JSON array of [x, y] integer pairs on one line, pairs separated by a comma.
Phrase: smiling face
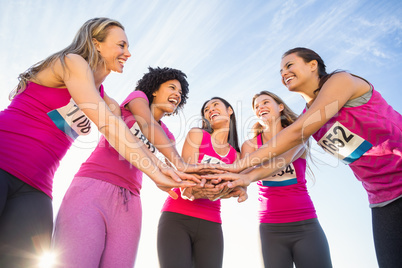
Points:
[[167, 97], [267, 109], [297, 74], [114, 49], [216, 113]]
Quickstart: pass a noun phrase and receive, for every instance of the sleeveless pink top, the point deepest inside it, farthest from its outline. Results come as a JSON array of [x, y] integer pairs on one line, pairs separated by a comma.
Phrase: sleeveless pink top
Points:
[[202, 208], [287, 198], [106, 164], [36, 130], [369, 139]]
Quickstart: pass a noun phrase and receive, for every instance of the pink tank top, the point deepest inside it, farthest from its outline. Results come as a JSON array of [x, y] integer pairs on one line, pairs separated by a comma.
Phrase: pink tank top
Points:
[[286, 199], [202, 208], [369, 139], [106, 164], [36, 130]]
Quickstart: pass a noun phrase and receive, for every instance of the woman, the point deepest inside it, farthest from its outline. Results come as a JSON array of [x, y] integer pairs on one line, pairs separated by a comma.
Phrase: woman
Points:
[[352, 122], [53, 104], [103, 202], [190, 232], [289, 229]]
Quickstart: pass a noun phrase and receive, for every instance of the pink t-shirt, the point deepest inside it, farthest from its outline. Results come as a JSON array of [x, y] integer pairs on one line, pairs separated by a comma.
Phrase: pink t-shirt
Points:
[[106, 164], [36, 130], [287, 198], [202, 208], [369, 139]]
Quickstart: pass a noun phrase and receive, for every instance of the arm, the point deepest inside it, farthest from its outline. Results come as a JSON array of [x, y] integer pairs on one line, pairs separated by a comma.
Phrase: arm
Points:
[[261, 171], [112, 104], [79, 80], [333, 95], [154, 132]]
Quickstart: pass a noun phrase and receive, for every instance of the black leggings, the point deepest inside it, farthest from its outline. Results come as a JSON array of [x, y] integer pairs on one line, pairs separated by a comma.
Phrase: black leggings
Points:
[[387, 232], [302, 243], [26, 222], [185, 242]]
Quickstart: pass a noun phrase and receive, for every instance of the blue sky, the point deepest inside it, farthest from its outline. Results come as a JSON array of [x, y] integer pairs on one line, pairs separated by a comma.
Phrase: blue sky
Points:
[[230, 49]]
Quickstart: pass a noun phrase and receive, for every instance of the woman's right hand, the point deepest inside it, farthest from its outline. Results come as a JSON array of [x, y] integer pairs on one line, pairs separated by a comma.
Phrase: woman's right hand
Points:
[[233, 179]]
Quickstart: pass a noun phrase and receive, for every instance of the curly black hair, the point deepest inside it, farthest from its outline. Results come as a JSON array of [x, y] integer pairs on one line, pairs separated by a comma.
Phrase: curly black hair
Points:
[[152, 80]]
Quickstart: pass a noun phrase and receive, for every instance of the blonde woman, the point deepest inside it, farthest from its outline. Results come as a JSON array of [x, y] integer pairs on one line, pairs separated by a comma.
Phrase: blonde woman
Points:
[[53, 103], [289, 229]]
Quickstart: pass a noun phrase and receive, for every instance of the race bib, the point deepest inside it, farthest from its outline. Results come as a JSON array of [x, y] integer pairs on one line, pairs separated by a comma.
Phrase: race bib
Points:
[[135, 129], [210, 160], [344, 144], [285, 177], [71, 120]]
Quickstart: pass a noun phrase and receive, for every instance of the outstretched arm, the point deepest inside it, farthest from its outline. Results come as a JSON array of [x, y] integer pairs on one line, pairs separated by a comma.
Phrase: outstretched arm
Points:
[[78, 78], [333, 95]]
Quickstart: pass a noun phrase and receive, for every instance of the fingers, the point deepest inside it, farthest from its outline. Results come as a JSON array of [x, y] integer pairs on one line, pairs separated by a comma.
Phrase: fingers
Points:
[[189, 177], [172, 194], [186, 193], [243, 197], [171, 173]]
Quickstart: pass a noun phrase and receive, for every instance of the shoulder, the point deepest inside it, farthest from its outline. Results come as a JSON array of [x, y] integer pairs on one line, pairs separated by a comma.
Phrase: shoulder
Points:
[[250, 144], [345, 82], [195, 135], [136, 97]]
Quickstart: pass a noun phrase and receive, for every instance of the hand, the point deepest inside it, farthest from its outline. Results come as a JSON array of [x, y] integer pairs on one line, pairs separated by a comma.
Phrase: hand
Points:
[[197, 192], [170, 180], [223, 191], [233, 179], [179, 176], [200, 168], [240, 192]]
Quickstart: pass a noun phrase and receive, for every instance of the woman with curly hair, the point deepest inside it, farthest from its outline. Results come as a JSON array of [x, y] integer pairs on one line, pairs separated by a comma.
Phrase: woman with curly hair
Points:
[[99, 221]]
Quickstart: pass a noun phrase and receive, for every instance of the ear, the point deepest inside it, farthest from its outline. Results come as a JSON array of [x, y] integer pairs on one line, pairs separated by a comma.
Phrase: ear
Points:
[[154, 94], [230, 111], [281, 107], [313, 65], [96, 44]]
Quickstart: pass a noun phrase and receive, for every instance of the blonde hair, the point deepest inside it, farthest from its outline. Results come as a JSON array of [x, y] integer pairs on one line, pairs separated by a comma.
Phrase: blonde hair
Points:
[[82, 44], [287, 115]]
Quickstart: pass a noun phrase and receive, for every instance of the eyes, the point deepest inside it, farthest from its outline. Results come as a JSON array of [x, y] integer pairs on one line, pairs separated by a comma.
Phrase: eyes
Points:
[[286, 67], [174, 88], [265, 102], [213, 105]]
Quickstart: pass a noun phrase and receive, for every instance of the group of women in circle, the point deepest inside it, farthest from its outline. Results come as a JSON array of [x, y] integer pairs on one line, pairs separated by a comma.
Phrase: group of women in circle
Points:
[[99, 221]]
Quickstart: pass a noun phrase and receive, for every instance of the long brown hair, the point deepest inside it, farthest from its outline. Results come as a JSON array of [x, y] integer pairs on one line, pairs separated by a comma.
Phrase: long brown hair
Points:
[[82, 44], [287, 115]]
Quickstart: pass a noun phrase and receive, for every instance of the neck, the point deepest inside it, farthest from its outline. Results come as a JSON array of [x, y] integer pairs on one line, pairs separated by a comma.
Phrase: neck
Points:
[[220, 136], [308, 91], [100, 75]]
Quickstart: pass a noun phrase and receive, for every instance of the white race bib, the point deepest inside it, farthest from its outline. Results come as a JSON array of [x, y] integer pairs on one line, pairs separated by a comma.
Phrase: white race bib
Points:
[[344, 144], [71, 120], [207, 159], [135, 129], [285, 177]]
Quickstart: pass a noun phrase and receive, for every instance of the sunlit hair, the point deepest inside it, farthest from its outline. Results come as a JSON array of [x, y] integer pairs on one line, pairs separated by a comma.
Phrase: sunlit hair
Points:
[[82, 44], [152, 81], [232, 137], [287, 115], [308, 55]]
